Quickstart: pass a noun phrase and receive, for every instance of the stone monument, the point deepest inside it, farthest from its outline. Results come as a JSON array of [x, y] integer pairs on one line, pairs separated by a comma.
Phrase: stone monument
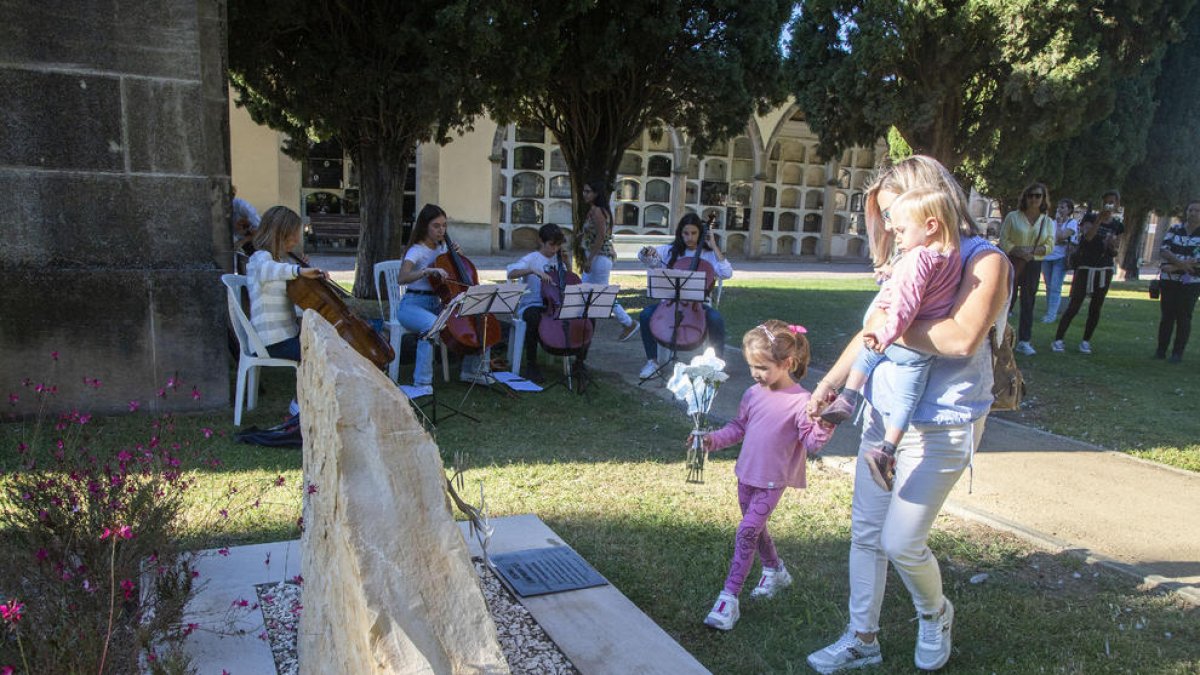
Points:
[[388, 582]]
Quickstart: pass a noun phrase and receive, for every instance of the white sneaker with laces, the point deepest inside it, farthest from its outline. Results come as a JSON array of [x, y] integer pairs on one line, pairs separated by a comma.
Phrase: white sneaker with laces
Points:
[[648, 369], [477, 378], [1085, 347], [771, 582], [1025, 348], [415, 391], [847, 653], [1057, 346], [933, 638], [724, 612]]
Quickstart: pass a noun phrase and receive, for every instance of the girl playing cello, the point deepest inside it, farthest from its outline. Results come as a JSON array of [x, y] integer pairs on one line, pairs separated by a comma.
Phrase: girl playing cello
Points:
[[686, 244], [420, 306]]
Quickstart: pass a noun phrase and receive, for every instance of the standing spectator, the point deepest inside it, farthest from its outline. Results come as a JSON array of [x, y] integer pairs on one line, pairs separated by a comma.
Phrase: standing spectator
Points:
[[1179, 282], [1027, 235], [1054, 265], [1099, 236]]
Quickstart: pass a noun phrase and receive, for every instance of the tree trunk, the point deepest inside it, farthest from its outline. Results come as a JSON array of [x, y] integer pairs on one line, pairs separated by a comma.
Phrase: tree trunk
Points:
[[588, 159], [381, 171], [1130, 252]]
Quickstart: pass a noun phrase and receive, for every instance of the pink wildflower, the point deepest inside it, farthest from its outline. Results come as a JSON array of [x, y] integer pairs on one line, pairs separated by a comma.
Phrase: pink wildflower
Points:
[[195, 393], [134, 405], [223, 551], [240, 603], [279, 481], [190, 628], [13, 399], [54, 355], [42, 555], [298, 580], [172, 383], [125, 532], [162, 393], [11, 612], [312, 489], [224, 513], [208, 433], [6, 670], [127, 586]]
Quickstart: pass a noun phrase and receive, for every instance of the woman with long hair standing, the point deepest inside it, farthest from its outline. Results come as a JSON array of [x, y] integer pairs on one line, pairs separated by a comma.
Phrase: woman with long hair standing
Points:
[[598, 251], [1027, 235], [945, 429]]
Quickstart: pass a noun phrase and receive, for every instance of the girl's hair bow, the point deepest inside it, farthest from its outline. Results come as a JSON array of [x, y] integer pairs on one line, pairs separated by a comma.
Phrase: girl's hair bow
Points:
[[797, 329]]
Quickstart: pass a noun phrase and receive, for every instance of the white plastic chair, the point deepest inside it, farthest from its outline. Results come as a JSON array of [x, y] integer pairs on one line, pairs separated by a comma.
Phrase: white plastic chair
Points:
[[387, 271], [253, 352]]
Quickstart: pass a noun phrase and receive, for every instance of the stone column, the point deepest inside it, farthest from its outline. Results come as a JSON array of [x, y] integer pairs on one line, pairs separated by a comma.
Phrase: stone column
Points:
[[114, 164], [825, 246]]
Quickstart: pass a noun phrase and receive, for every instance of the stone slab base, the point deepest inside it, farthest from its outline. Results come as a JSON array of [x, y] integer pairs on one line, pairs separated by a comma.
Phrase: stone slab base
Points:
[[599, 629]]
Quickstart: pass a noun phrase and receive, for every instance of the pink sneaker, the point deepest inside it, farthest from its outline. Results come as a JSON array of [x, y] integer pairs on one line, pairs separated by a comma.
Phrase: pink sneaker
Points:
[[840, 410], [883, 467]]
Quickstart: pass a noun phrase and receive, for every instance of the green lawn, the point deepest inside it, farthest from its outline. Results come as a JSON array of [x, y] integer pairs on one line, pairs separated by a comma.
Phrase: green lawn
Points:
[[606, 472]]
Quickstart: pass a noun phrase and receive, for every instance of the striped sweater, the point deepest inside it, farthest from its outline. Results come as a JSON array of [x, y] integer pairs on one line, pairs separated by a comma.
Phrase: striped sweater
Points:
[[271, 312]]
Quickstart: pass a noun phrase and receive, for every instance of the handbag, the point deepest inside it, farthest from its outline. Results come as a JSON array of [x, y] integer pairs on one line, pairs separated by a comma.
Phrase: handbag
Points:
[[1008, 385], [1018, 263], [1154, 289]]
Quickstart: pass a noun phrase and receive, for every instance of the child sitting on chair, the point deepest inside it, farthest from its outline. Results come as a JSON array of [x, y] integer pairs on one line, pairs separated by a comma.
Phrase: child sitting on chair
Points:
[[271, 311], [535, 268]]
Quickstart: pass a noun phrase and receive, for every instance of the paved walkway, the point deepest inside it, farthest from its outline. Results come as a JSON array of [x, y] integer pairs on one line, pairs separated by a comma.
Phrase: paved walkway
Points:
[[1057, 492]]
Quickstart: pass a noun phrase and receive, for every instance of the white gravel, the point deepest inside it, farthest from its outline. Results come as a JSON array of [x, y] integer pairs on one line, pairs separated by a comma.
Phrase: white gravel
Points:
[[526, 646]]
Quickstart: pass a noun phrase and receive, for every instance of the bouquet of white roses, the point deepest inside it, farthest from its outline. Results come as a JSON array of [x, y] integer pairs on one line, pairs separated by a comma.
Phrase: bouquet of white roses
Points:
[[696, 385]]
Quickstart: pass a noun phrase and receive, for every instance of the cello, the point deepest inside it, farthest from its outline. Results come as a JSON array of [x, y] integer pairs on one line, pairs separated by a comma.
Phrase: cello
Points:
[[328, 300], [683, 325], [562, 337], [462, 334]]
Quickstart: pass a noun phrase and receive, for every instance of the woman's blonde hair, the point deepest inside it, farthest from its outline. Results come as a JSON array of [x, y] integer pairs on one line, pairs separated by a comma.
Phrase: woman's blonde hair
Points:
[[918, 171], [778, 342], [278, 225], [920, 204]]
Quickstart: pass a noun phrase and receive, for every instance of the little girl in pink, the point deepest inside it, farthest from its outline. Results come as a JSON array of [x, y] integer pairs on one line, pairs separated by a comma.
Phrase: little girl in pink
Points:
[[776, 434]]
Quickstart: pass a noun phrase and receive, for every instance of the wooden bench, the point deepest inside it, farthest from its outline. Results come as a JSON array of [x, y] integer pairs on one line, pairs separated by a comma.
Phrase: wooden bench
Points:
[[327, 230]]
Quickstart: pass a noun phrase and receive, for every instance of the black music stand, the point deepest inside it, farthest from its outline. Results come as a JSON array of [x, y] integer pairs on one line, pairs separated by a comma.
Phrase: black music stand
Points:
[[666, 284], [433, 335], [584, 301], [488, 299]]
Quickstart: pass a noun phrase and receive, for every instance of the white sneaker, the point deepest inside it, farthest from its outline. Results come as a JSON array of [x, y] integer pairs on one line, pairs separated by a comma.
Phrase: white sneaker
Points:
[[294, 407], [1085, 347], [933, 638], [724, 612], [1057, 346], [847, 653], [648, 369], [1025, 348], [1048, 319], [415, 391], [477, 378], [629, 331], [771, 582]]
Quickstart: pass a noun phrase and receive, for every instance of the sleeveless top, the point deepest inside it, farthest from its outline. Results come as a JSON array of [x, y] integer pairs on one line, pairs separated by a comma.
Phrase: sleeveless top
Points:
[[589, 236], [959, 389]]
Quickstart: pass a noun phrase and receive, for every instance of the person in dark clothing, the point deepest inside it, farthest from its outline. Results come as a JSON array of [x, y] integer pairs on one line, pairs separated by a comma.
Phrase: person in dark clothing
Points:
[[1179, 283], [1099, 236]]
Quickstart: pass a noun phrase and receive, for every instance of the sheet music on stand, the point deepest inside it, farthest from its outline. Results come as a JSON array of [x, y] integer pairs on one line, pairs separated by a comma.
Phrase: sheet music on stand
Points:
[[588, 301], [664, 284], [491, 299], [434, 332]]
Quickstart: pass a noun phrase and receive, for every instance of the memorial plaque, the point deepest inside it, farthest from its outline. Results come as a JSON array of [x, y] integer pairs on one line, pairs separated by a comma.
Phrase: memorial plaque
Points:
[[539, 571]]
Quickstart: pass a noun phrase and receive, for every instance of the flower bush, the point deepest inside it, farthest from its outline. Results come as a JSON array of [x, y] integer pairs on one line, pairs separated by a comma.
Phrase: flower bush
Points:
[[93, 575]]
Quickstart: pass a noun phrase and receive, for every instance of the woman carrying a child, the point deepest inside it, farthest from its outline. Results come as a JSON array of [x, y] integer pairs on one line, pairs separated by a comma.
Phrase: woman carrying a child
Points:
[[945, 427]]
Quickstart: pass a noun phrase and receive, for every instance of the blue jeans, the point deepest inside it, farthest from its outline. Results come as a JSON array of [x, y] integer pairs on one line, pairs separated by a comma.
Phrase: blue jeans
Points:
[[417, 314], [285, 349], [1053, 273], [715, 337], [912, 373]]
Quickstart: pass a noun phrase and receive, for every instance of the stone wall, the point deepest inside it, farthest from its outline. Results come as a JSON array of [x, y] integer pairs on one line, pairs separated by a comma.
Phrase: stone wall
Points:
[[388, 583], [114, 172]]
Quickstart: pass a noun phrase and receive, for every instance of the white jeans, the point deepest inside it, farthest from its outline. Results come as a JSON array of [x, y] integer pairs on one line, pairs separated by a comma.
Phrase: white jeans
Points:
[[895, 525], [601, 268]]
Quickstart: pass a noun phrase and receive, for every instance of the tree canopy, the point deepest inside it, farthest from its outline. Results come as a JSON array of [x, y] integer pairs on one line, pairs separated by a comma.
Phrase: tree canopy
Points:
[[377, 76], [703, 67], [980, 84]]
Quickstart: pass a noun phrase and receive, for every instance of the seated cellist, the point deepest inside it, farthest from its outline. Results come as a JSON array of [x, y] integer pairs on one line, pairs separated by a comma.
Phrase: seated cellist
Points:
[[420, 305], [532, 268], [271, 311], [686, 244]]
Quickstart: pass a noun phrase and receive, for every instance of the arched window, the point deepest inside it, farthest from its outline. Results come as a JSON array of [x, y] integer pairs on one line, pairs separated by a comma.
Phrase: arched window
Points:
[[812, 223], [526, 211], [627, 190], [769, 197], [557, 163], [691, 194], [693, 169], [808, 246], [657, 216], [790, 199], [786, 245], [715, 170], [531, 134], [815, 199], [659, 166], [768, 221], [560, 214], [631, 164], [528, 185], [791, 174], [530, 158], [791, 151], [627, 214], [839, 201], [739, 194], [743, 169], [814, 176], [560, 187], [658, 191], [743, 148], [787, 222]]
